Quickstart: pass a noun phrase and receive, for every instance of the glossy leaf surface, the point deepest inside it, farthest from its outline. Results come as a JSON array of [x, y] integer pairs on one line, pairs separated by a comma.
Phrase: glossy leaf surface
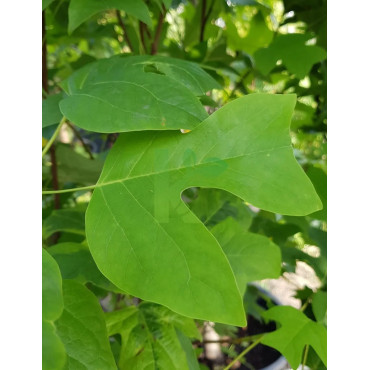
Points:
[[136, 93], [82, 329], [296, 331], [158, 249]]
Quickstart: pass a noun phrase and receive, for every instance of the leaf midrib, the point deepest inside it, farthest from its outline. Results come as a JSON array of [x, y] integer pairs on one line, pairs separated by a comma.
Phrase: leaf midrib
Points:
[[99, 185]]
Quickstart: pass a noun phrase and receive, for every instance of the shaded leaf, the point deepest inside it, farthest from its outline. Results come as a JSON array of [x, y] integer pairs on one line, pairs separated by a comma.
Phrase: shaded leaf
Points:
[[319, 180], [46, 3], [214, 205], [50, 110], [296, 331], [158, 249], [65, 220], [293, 51], [82, 329], [122, 94], [150, 337], [319, 306], [75, 262], [80, 11], [53, 352], [252, 257], [73, 167]]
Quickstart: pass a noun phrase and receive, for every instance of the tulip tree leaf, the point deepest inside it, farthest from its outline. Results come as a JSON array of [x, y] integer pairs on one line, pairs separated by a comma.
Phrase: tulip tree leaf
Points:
[[82, 329], [149, 335], [53, 352], [81, 10], [294, 53], [147, 241], [251, 256], [136, 93], [75, 262], [296, 331]]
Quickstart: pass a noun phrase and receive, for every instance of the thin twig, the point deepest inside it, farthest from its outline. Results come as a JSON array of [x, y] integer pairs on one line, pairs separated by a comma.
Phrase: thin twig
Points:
[[80, 138], [242, 354], [124, 29], [305, 355], [45, 89], [158, 31], [142, 38], [249, 338], [204, 17]]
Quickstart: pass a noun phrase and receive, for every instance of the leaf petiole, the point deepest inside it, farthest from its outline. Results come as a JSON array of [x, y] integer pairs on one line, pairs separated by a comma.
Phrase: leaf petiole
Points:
[[69, 190], [55, 135]]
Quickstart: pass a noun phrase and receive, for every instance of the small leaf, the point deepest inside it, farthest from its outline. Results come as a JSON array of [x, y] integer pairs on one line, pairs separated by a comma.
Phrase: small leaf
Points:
[[83, 331], [319, 306], [252, 257], [319, 180], [120, 94], [150, 337], [292, 50], [81, 10], [295, 333], [75, 262], [158, 249]]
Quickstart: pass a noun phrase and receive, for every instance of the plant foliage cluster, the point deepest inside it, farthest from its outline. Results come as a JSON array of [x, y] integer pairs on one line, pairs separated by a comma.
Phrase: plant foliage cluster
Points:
[[184, 158]]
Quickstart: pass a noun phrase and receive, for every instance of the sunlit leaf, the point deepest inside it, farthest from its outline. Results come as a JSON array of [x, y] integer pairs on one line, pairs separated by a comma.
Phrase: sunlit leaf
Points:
[[159, 249]]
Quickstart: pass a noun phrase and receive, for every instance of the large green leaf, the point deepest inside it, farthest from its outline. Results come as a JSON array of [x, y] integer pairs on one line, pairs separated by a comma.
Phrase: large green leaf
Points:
[[136, 93], [75, 262], [82, 329], [251, 256], [53, 352], [295, 333], [147, 241], [150, 337], [81, 10], [46, 3], [293, 51]]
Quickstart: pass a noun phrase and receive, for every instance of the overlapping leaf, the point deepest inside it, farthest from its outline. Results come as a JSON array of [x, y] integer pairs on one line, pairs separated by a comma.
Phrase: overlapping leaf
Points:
[[152, 337], [149, 244], [83, 331], [136, 93], [295, 333], [81, 10]]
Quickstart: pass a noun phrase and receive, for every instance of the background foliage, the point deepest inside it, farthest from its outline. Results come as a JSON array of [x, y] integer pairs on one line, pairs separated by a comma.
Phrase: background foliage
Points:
[[123, 65]]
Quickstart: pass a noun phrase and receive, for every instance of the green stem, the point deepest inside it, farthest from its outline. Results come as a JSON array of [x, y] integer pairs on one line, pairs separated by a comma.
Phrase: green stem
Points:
[[69, 190], [242, 354], [305, 355], [55, 135]]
